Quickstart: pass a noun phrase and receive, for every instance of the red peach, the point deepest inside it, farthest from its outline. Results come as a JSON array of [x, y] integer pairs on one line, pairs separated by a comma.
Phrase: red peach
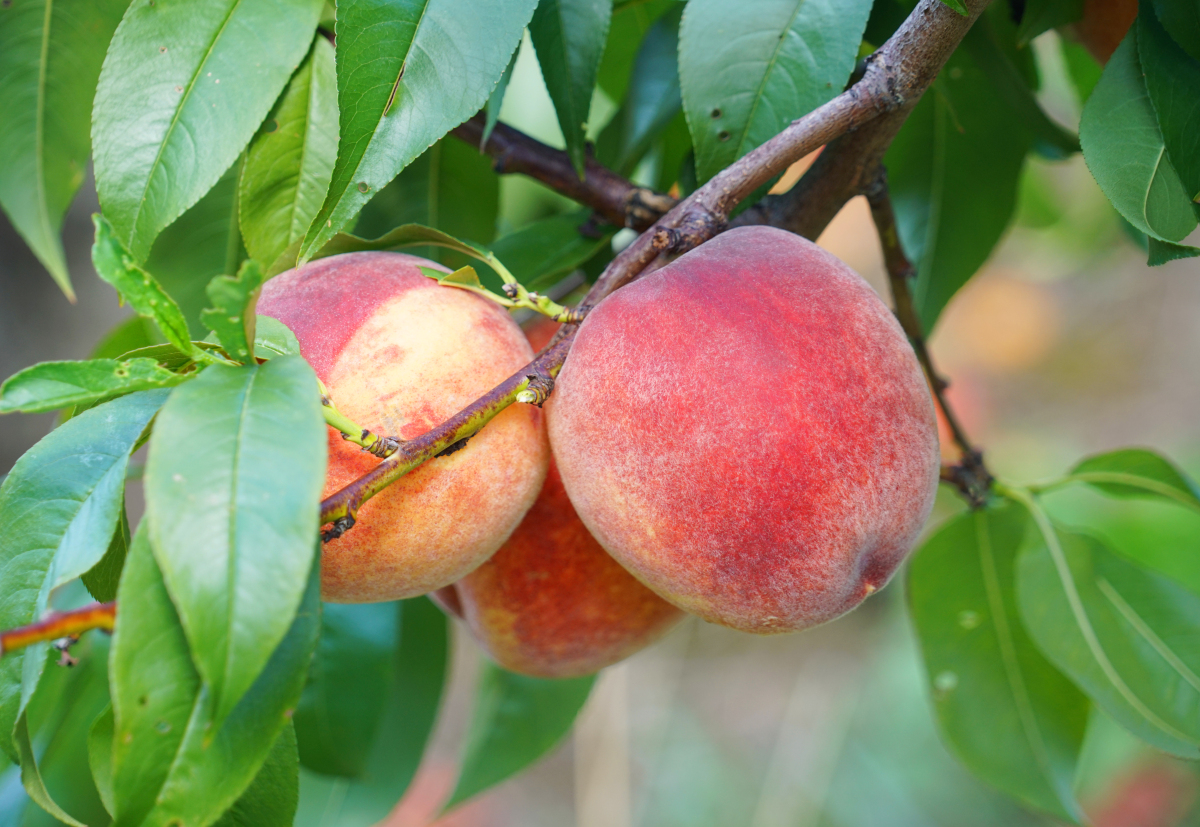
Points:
[[399, 354], [748, 432], [551, 602]]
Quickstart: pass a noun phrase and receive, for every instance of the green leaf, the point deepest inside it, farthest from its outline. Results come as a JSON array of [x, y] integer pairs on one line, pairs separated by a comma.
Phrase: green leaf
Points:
[[747, 76], [957, 5], [232, 315], [270, 800], [1124, 634], [136, 286], [408, 235], [50, 386], [1124, 149], [983, 43], [1137, 472], [1160, 252], [290, 161], [1182, 19], [1009, 715], [50, 56], [540, 253], [132, 334], [451, 187], [496, 101], [217, 68], [415, 689], [233, 482], [58, 506], [517, 719], [936, 178], [99, 750], [408, 72], [59, 718], [172, 763], [273, 338], [1083, 69], [343, 703], [1043, 15], [464, 278], [202, 244], [652, 100], [630, 22], [101, 579], [1172, 79], [569, 37]]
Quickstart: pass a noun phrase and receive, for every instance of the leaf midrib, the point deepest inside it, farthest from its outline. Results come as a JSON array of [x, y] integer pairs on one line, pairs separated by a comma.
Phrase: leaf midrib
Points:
[[187, 94], [762, 84], [1083, 621], [1008, 654], [232, 568]]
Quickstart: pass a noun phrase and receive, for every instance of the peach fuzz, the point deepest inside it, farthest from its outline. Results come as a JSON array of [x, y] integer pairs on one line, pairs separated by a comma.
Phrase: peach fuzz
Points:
[[399, 354], [748, 432], [551, 603]]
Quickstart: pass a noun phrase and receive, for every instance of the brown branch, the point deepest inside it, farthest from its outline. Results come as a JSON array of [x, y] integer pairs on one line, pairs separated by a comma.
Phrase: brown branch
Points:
[[970, 475], [894, 79], [59, 625], [614, 198]]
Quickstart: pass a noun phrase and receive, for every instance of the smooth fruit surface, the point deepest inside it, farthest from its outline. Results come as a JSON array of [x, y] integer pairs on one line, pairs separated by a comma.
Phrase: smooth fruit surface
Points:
[[399, 354], [748, 431], [552, 603]]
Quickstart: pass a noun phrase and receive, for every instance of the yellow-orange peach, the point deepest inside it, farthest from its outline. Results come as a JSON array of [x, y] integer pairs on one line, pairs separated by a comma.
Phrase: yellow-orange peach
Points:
[[748, 431], [399, 354]]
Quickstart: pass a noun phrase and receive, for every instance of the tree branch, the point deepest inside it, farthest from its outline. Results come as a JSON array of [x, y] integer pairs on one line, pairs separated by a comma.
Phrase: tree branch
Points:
[[60, 625], [616, 199], [970, 475], [895, 78]]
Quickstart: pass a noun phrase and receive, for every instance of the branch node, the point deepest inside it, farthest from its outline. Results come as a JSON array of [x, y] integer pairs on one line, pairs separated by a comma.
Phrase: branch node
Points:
[[340, 526], [538, 390], [383, 447]]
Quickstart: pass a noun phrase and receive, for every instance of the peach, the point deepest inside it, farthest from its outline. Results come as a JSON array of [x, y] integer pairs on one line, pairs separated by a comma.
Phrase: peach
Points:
[[551, 603], [748, 432], [399, 353]]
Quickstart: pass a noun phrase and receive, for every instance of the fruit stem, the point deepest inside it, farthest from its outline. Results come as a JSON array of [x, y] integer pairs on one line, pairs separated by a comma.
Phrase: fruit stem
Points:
[[60, 625], [532, 384], [969, 475], [372, 443]]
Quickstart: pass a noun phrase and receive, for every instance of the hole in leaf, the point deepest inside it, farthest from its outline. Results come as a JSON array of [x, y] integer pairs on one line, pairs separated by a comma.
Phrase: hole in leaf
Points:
[[363, 186], [162, 50], [723, 135], [716, 113], [271, 125]]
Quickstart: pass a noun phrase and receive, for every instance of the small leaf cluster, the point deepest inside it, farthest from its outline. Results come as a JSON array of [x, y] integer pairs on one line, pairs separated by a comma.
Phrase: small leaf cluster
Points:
[[1026, 623]]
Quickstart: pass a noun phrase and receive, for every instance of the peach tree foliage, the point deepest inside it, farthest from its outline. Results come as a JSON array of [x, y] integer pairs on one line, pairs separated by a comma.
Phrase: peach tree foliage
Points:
[[233, 138]]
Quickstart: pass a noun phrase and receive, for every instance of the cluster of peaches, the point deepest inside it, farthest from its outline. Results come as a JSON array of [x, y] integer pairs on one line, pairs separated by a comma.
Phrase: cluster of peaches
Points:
[[744, 435]]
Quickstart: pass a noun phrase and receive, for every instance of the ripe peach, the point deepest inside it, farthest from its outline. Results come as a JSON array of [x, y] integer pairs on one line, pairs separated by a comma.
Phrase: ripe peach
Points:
[[551, 602], [748, 432], [399, 354], [1103, 26]]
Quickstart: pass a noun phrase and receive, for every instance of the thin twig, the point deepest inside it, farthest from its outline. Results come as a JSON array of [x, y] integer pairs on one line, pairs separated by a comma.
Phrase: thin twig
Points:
[[60, 625], [970, 475], [614, 198]]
